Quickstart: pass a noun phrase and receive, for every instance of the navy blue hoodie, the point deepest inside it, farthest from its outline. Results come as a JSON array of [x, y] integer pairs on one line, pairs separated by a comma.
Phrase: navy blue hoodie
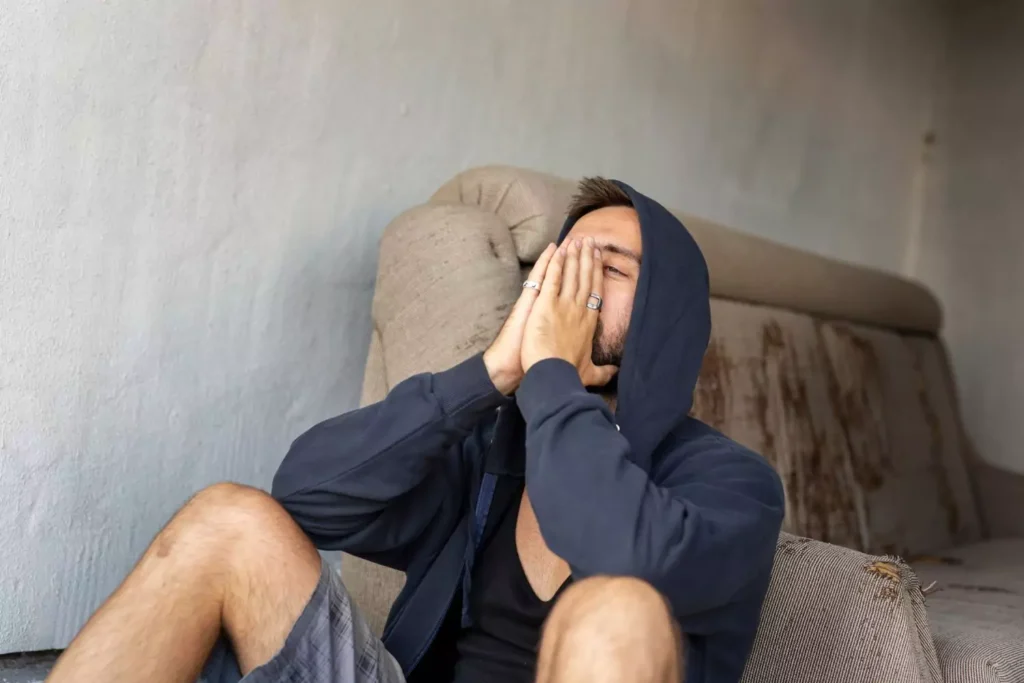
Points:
[[647, 491]]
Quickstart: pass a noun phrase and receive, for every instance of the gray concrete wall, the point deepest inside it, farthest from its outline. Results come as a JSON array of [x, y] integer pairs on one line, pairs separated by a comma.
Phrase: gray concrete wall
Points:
[[191, 194], [971, 246]]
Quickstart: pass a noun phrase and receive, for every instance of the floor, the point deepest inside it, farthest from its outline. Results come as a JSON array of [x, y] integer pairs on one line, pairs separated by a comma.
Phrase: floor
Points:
[[26, 668]]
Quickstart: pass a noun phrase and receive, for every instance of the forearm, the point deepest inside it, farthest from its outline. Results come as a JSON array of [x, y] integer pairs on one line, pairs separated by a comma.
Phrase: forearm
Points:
[[380, 452], [699, 534], [577, 469]]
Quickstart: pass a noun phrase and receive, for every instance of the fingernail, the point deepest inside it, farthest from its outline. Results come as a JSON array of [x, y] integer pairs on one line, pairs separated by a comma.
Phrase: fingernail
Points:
[[597, 253], [579, 243], [590, 241]]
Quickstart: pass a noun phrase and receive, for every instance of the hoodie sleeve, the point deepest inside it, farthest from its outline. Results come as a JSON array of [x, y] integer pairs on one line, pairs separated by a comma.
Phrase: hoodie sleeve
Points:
[[372, 481], [703, 535]]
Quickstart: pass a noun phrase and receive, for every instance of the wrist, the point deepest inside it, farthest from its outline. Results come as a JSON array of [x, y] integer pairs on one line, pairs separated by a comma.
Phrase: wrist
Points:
[[505, 379], [542, 355]]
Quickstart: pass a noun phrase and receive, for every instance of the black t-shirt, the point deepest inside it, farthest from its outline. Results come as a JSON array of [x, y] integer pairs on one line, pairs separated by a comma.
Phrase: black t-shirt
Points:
[[501, 645]]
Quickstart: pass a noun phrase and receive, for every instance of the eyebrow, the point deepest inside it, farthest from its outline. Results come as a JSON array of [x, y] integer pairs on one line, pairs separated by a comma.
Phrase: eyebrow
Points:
[[622, 251]]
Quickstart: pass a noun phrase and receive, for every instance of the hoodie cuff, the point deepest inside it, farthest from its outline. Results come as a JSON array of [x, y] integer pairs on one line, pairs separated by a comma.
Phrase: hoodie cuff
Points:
[[467, 385], [550, 380]]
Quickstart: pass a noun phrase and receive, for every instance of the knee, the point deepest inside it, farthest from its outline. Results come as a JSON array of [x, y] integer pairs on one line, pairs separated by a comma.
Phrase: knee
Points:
[[230, 509], [623, 623], [615, 601], [226, 497], [227, 517]]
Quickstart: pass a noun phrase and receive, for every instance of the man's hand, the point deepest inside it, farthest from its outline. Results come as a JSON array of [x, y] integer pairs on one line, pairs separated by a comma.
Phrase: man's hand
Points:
[[504, 357], [560, 324]]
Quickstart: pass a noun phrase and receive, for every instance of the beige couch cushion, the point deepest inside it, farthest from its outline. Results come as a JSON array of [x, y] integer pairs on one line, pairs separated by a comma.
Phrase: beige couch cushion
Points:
[[897, 408], [977, 611], [858, 421], [764, 382], [837, 615], [373, 588], [446, 280]]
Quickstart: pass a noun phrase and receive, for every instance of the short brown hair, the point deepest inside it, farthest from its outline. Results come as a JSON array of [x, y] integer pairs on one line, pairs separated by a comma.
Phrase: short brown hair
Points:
[[596, 193]]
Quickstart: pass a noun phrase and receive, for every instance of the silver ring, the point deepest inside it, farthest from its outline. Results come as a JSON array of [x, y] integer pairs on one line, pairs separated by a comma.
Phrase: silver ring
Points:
[[530, 284], [592, 305]]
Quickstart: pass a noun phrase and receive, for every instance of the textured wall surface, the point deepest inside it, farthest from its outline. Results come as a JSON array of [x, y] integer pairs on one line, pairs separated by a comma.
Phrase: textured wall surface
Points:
[[191, 194], [972, 244]]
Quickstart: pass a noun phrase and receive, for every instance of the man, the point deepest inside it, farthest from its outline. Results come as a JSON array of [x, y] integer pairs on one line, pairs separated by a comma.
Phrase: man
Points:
[[558, 514]]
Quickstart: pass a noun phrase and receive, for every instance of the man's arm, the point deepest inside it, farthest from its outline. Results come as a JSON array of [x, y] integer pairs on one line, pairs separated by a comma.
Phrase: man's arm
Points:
[[370, 481], [701, 535]]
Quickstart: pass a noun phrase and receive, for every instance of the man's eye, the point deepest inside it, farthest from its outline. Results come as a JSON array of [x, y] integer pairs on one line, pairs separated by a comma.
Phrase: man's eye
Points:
[[612, 269]]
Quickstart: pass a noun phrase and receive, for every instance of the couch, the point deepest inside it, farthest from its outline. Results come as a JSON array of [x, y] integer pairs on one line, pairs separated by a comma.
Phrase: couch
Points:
[[902, 557]]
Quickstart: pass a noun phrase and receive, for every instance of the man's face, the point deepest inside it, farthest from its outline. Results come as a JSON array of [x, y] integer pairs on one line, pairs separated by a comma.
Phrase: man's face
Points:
[[616, 230]]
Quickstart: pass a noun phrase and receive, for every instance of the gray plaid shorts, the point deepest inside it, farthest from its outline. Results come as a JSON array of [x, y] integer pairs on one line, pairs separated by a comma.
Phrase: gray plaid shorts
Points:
[[330, 643]]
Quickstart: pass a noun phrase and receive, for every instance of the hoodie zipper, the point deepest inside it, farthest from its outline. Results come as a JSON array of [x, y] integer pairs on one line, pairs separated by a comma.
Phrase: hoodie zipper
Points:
[[480, 512], [463, 578], [437, 625]]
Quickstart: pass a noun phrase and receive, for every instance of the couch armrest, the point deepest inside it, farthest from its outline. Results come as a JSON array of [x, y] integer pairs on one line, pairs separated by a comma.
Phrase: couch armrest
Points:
[[835, 614], [447, 277]]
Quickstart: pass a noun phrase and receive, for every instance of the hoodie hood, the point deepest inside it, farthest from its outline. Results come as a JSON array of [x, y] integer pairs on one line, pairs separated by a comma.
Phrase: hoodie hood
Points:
[[668, 330]]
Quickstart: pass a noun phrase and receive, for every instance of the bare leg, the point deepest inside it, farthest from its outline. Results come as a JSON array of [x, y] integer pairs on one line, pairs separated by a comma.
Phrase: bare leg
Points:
[[231, 560], [608, 630]]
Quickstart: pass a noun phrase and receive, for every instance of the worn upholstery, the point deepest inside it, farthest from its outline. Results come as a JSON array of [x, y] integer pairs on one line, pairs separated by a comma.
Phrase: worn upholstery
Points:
[[834, 614], [832, 371], [850, 417], [977, 610]]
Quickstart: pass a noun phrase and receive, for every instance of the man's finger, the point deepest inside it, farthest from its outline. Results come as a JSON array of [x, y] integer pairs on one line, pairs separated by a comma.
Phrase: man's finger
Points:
[[553, 275], [529, 295], [597, 276], [571, 273], [586, 271], [541, 266], [596, 281]]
